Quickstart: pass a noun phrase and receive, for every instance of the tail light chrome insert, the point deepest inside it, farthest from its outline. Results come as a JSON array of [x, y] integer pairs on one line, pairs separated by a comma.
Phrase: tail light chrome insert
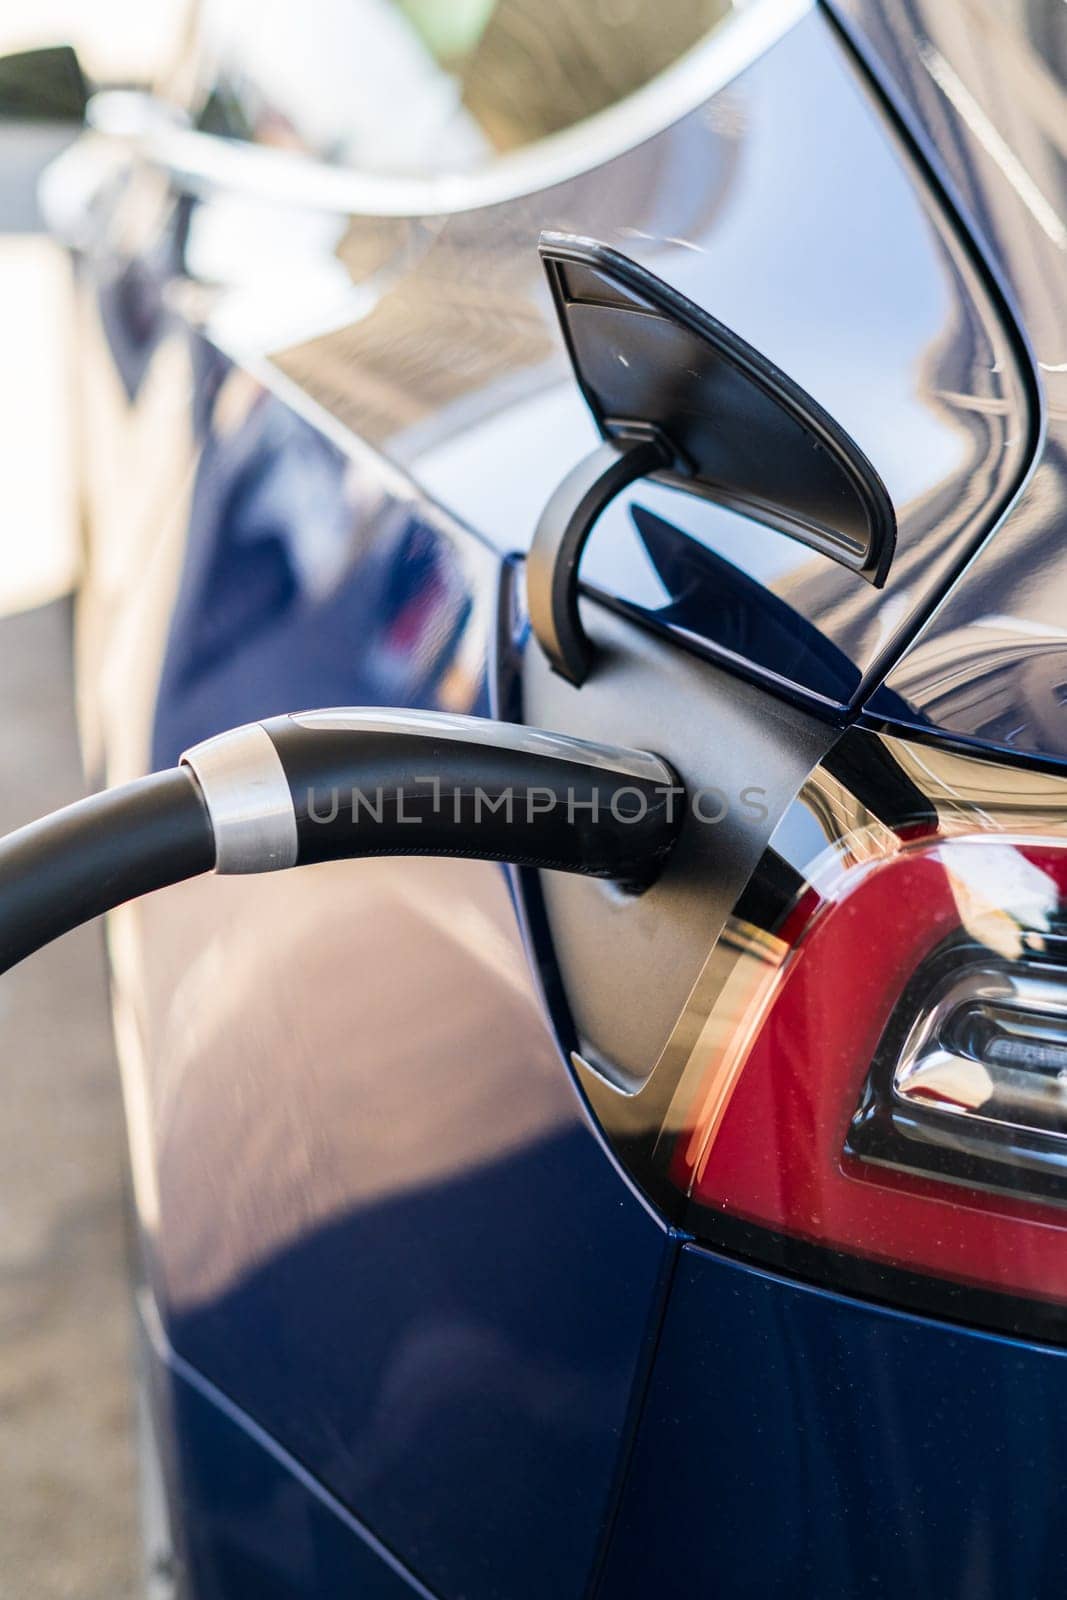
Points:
[[970, 1080]]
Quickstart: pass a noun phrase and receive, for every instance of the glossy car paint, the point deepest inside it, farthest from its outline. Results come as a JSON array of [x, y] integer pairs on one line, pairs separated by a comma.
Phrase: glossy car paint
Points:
[[809, 232], [251, 1520], [404, 1293], [795, 1442], [392, 1246], [985, 91]]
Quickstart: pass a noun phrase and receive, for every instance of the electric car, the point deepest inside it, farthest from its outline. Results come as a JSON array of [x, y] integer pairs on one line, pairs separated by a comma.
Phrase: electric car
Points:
[[690, 379]]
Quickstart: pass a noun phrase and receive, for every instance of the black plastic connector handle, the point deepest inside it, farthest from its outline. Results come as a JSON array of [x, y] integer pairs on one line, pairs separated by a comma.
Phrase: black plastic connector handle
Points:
[[324, 785], [327, 785]]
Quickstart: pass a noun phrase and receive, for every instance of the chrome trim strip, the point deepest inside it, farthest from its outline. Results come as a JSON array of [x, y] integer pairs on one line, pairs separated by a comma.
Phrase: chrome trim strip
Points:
[[248, 799], [206, 161], [493, 735]]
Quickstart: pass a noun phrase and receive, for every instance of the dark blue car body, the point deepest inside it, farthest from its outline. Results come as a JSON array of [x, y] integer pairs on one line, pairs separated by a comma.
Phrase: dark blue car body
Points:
[[410, 1322]]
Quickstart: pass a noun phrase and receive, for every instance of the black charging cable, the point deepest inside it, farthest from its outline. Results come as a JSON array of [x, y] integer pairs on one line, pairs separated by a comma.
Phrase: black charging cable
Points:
[[329, 785]]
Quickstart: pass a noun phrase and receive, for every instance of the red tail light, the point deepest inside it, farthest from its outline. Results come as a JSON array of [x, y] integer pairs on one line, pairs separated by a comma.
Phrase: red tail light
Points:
[[882, 1076]]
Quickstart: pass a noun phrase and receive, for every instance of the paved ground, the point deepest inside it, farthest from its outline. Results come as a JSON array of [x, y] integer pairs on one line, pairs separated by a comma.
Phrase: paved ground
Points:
[[67, 1495]]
